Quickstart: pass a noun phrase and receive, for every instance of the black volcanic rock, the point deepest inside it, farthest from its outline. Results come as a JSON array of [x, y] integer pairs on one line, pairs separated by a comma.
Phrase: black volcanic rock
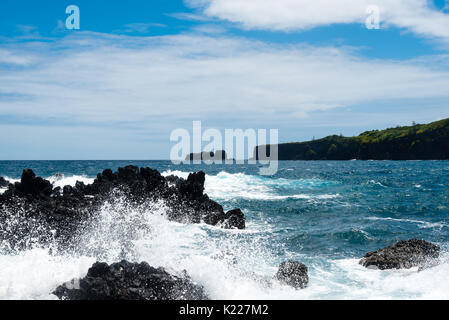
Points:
[[193, 187], [234, 219], [137, 183], [33, 186], [130, 281], [34, 201], [3, 183], [174, 180], [293, 273], [404, 254]]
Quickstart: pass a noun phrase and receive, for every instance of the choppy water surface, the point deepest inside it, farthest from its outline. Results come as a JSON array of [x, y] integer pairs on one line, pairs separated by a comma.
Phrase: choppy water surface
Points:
[[325, 214]]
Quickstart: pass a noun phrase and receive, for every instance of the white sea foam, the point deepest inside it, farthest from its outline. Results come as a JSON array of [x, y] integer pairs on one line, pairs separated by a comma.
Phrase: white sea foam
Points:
[[10, 180], [58, 180], [230, 264], [421, 224], [238, 264], [34, 274], [225, 186], [353, 281], [181, 174], [376, 183], [61, 180]]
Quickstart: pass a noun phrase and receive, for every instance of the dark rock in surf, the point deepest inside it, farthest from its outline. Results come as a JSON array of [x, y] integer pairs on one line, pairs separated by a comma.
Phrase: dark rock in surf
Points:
[[402, 255], [32, 186], [174, 181], [293, 273], [193, 187], [56, 192], [234, 219], [3, 183], [130, 281]]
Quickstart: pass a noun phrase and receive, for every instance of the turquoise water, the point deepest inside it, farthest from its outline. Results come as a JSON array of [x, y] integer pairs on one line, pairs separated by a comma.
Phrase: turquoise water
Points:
[[326, 214]]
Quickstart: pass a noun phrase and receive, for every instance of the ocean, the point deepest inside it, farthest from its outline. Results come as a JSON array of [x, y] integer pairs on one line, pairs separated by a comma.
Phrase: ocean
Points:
[[326, 214]]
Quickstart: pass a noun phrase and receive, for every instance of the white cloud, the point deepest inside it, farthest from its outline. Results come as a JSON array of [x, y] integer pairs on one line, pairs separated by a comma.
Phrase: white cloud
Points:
[[418, 16], [209, 28], [141, 27], [189, 16], [96, 78], [13, 58]]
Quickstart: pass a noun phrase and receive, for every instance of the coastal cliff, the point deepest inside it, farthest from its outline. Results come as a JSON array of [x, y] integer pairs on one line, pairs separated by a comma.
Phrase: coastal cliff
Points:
[[416, 142]]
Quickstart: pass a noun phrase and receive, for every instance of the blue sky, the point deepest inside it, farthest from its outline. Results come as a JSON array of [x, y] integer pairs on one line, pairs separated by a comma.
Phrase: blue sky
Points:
[[117, 87]]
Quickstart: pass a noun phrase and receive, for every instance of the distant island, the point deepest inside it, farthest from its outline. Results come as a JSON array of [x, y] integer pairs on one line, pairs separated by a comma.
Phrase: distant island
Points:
[[208, 155], [416, 142]]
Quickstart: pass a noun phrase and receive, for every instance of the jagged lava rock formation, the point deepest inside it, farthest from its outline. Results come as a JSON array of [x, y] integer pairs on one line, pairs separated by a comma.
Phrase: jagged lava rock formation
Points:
[[36, 202], [130, 281]]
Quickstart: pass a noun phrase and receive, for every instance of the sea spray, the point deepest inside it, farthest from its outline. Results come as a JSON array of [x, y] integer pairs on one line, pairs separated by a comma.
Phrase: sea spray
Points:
[[328, 235]]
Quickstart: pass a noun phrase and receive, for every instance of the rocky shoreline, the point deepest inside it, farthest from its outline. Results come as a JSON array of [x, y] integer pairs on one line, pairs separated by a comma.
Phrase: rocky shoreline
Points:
[[130, 281], [46, 215], [63, 210], [3, 183]]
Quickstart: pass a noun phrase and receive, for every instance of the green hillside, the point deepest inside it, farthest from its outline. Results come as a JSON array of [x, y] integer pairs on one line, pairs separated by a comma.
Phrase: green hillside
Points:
[[416, 142]]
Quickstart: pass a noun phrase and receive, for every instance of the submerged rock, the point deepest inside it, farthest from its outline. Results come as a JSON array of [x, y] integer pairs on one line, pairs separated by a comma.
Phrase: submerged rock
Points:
[[293, 273], [404, 254], [130, 281]]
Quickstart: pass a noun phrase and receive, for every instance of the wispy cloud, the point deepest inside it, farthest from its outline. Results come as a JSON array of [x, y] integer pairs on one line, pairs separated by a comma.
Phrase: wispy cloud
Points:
[[28, 32], [141, 27], [209, 28], [189, 16], [14, 58], [417, 16], [92, 78]]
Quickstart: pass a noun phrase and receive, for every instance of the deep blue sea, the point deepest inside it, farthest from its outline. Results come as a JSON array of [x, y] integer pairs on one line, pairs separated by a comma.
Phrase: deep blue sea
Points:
[[326, 214]]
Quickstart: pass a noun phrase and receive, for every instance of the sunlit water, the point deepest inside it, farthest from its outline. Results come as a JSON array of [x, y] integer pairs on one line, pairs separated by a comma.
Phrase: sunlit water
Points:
[[324, 214]]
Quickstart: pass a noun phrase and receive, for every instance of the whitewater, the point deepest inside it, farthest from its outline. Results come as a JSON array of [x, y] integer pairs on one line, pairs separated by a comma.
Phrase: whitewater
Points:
[[324, 214]]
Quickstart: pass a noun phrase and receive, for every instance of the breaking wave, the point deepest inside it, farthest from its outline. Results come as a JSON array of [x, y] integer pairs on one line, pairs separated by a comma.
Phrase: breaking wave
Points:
[[240, 264], [225, 186], [234, 264]]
